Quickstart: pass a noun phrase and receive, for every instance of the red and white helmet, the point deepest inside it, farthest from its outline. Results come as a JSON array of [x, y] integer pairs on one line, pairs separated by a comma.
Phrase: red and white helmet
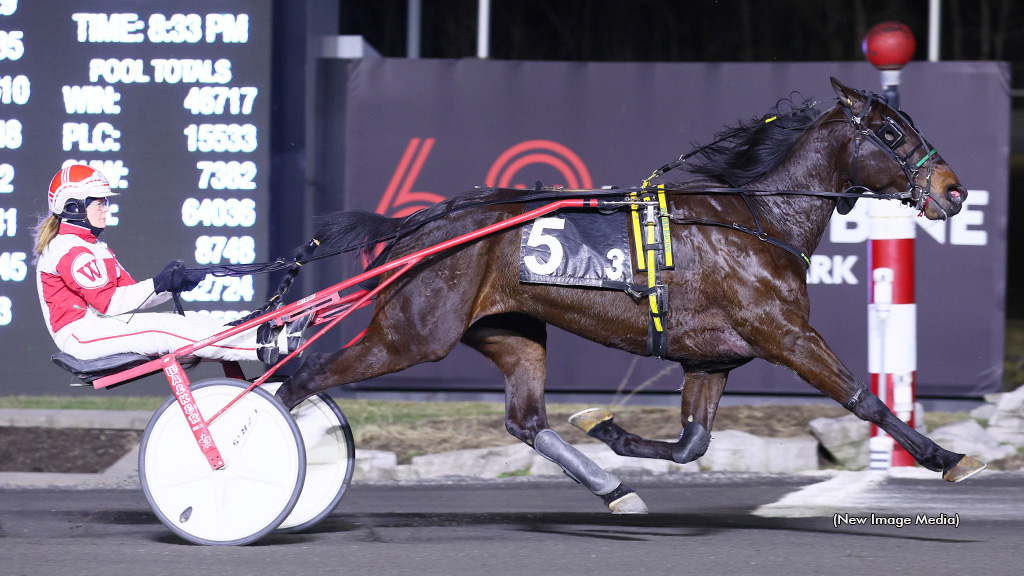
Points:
[[71, 186]]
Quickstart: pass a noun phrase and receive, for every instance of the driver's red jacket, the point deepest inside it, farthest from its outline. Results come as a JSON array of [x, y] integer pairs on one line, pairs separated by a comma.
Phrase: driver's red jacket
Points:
[[76, 276]]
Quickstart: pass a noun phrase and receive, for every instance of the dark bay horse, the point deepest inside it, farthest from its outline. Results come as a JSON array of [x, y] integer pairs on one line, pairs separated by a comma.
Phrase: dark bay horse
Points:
[[734, 297]]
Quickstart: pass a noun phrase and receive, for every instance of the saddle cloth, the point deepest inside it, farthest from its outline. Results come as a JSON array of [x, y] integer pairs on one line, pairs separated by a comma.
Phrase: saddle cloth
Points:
[[588, 248], [577, 248]]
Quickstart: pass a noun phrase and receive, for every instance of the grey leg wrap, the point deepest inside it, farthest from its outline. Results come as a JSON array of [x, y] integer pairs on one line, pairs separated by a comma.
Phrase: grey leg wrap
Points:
[[550, 445]]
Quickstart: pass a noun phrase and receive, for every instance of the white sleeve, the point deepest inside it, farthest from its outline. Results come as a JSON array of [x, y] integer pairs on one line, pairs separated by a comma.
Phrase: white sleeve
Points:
[[135, 297]]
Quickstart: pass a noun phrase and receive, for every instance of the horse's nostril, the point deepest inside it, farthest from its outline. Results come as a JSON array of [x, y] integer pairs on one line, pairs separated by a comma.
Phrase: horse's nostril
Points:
[[956, 194]]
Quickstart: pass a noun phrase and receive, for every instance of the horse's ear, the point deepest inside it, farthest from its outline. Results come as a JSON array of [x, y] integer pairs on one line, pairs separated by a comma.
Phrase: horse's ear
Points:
[[847, 96]]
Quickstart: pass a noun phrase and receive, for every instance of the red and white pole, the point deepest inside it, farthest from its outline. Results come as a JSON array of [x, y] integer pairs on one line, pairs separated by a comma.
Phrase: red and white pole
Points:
[[892, 324], [892, 312]]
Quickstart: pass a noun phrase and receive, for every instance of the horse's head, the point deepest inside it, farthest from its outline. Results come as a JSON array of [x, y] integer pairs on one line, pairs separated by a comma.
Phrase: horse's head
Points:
[[890, 155]]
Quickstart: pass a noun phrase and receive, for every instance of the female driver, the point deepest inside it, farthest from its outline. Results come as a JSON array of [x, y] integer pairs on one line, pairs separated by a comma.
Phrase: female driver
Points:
[[89, 300]]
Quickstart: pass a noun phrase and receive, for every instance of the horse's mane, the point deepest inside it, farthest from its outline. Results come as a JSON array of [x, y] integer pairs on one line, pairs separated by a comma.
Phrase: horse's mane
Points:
[[743, 153]]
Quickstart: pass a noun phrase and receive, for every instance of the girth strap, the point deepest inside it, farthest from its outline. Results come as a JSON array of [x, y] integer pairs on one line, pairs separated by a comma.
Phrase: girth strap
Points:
[[653, 248]]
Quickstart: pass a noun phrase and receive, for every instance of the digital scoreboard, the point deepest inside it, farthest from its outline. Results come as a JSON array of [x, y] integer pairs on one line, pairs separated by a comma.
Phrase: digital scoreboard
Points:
[[170, 100]]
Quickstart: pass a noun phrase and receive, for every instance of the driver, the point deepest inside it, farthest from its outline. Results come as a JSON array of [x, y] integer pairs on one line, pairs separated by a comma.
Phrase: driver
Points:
[[89, 300]]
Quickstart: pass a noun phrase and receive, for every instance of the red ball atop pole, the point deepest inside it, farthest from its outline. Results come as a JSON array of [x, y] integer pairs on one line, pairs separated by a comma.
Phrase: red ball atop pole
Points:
[[889, 45]]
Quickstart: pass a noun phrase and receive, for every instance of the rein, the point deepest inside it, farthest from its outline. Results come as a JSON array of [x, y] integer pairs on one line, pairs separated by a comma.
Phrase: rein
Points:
[[530, 196], [545, 194]]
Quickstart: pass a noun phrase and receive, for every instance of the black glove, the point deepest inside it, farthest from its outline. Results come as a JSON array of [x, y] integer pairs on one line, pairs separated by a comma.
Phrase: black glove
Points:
[[175, 277], [191, 279]]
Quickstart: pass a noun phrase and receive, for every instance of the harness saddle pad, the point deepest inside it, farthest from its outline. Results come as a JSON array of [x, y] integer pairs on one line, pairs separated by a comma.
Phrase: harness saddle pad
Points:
[[577, 248]]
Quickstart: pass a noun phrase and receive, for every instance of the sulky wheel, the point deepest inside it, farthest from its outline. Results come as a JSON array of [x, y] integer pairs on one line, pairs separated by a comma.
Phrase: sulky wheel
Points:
[[265, 465], [330, 459]]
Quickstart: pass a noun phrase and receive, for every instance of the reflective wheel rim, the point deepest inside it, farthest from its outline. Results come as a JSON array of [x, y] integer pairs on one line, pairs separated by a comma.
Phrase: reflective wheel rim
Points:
[[330, 459], [260, 484]]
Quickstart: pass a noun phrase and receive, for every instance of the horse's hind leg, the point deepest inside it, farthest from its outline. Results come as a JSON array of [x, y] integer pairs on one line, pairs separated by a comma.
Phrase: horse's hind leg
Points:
[[700, 396], [392, 343], [516, 344]]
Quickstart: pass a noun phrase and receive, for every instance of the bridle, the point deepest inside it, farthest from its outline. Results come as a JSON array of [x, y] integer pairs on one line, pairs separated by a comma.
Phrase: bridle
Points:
[[887, 137]]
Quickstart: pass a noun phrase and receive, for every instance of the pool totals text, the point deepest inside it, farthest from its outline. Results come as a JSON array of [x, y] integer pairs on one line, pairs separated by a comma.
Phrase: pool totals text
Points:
[[170, 101]]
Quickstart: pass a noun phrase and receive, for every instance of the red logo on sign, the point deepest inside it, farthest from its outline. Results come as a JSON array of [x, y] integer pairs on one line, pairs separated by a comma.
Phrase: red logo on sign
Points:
[[400, 200], [559, 157]]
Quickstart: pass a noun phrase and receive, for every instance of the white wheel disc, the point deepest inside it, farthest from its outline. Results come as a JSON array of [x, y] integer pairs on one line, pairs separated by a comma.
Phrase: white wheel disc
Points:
[[330, 459], [259, 485]]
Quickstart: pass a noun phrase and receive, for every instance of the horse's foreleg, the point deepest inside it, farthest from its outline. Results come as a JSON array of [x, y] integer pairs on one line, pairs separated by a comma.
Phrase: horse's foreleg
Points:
[[700, 395], [702, 391], [807, 354], [954, 467], [516, 344]]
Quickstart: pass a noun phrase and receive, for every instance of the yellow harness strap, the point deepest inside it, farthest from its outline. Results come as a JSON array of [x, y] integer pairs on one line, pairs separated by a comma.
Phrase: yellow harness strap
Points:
[[653, 249], [638, 236]]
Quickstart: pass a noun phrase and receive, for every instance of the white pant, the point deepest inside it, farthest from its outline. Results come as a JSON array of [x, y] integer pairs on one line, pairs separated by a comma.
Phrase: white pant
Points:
[[152, 333]]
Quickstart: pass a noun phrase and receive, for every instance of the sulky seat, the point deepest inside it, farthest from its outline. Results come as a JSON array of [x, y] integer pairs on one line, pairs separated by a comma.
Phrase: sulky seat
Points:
[[89, 370]]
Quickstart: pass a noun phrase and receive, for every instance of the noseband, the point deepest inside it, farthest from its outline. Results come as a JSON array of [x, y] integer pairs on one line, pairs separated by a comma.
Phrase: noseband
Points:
[[887, 137]]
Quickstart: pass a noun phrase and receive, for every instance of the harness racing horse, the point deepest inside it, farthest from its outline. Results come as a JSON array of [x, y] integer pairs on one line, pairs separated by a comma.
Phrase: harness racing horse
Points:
[[734, 297]]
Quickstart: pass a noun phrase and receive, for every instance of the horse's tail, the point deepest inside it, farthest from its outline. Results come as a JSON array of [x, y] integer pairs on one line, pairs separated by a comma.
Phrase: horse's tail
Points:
[[344, 230], [356, 229]]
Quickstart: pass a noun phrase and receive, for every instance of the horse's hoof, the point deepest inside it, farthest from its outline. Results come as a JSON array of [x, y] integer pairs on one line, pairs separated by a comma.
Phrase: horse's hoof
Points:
[[628, 504], [587, 419], [963, 470]]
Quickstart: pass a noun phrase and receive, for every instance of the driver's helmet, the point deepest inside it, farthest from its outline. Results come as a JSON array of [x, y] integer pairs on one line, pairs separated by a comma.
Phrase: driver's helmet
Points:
[[72, 187]]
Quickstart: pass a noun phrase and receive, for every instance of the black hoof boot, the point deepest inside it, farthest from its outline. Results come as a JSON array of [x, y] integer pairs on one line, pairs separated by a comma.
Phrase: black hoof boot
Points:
[[693, 443]]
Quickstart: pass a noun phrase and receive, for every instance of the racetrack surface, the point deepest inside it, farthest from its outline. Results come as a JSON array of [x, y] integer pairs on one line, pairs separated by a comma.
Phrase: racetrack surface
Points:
[[699, 524]]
